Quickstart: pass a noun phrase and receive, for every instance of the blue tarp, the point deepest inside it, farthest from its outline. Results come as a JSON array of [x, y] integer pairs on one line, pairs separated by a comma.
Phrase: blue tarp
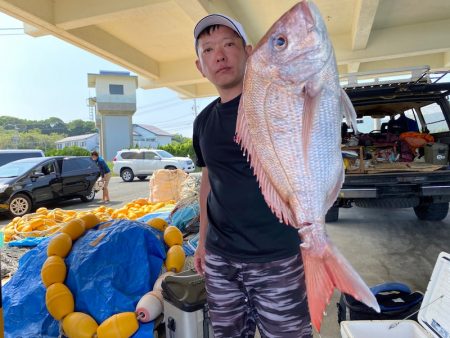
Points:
[[162, 214], [26, 242], [109, 270], [183, 216]]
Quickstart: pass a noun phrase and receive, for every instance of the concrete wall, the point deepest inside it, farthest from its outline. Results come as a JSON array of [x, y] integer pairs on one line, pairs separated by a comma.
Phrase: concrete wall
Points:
[[129, 90], [116, 135]]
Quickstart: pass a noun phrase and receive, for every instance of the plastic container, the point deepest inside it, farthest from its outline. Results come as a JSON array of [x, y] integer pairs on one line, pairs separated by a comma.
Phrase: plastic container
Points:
[[434, 314], [185, 310], [436, 153]]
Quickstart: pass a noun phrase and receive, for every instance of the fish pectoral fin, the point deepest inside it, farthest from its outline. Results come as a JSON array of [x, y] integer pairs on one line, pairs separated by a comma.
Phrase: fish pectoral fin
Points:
[[310, 106], [349, 111]]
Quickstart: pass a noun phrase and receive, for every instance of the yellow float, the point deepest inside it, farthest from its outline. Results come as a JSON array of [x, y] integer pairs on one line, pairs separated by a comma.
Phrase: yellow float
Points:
[[175, 258], [53, 271], [74, 228], [79, 325], [158, 223], [59, 299], [120, 325], [173, 236], [60, 245]]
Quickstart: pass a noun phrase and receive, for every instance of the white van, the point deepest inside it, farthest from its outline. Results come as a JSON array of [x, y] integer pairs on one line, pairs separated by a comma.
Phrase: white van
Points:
[[9, 155]]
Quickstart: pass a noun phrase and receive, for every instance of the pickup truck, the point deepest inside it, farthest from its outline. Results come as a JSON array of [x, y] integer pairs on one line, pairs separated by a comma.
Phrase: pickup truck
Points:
[[385, 172], [29, 182]]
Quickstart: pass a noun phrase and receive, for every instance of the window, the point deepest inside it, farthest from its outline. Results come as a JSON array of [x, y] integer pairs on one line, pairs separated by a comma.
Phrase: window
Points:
[[149, 155], [164, 154], [115, 89], [77, 164], [434, 118], [70, 165], [132, 155], [48, 168]]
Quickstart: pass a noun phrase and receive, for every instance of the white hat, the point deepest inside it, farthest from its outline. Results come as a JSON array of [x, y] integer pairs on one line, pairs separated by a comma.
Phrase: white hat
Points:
[[219, 19]]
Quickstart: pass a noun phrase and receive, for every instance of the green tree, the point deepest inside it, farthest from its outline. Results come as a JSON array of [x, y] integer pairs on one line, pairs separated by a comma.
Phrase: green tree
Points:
[[68, 151], [33, 139], [80, 127], [180, 149], [54, 125], [178, 138]]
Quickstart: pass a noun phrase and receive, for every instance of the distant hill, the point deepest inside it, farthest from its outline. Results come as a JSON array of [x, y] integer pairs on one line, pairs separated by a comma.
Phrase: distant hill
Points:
[[52, 125]]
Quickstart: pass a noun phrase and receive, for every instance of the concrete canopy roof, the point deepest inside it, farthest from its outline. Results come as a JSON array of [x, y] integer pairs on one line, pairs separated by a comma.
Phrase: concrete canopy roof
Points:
[[154, 39]]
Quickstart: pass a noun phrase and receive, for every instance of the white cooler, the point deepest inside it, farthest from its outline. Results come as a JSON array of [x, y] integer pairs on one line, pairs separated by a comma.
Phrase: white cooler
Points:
[[434, 314], [185, 310]]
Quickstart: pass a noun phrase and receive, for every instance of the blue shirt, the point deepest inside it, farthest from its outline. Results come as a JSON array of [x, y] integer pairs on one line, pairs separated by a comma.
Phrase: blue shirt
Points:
[[104, 169]]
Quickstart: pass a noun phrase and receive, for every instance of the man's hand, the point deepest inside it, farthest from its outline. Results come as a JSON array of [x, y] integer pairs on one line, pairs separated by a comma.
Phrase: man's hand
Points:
[[199, 259]]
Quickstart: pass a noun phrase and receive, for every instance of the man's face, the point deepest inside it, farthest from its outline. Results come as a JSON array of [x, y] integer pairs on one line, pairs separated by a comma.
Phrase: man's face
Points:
[[222, 57]]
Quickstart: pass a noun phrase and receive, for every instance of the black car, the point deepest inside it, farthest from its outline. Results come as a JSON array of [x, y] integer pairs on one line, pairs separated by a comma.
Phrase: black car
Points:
[[26, 183]]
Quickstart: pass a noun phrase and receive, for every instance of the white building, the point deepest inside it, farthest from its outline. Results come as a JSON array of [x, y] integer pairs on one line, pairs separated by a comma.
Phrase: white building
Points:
[[146, 136], [88, 141], [115, 104]]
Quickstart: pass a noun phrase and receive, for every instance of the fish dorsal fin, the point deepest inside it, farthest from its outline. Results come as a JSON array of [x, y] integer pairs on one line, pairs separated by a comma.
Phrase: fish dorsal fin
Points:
[[310, 22], [243, 136]]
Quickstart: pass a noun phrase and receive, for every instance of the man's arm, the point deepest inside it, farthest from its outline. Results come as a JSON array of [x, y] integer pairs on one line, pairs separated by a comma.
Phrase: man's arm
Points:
[[199, 257]]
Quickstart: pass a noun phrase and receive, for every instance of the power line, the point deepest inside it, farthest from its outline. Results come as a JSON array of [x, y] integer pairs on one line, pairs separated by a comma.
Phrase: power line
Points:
[[177, 127], [173, 119], [159, 107], [156, 103], [10, 29]]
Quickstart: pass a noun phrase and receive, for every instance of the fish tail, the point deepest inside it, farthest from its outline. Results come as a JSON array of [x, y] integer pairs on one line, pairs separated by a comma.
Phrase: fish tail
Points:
[[325, 269]]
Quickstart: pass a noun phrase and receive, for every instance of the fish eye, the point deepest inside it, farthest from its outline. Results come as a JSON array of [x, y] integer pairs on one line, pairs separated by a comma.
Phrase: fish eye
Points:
[[280, 42]]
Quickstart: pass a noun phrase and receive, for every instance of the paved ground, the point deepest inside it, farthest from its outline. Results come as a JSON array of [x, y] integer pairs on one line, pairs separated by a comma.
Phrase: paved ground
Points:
[[383, 245], [120, 192]]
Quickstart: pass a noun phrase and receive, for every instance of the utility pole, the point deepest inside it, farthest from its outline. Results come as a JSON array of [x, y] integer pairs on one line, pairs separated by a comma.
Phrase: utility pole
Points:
[[195, 108]]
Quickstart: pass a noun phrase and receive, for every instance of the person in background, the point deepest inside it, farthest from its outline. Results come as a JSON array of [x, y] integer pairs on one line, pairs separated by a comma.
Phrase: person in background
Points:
[[253, 270], [105, 172]]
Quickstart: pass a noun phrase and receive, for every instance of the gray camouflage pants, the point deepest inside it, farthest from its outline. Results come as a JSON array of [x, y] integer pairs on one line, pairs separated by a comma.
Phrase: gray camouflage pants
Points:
[[271, 295]]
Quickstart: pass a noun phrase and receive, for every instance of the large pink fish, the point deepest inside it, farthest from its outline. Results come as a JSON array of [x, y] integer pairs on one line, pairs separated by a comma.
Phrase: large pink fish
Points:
[[289, 124]]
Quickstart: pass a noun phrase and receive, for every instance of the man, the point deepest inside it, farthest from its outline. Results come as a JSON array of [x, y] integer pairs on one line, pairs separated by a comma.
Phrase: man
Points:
[[251, 262], [105, 173]]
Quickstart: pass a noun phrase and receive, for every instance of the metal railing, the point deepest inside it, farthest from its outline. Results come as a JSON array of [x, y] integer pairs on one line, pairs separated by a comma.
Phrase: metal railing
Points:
[[412, 75]]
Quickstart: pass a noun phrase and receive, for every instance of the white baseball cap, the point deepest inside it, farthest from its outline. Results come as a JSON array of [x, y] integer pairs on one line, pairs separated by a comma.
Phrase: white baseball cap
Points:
[[219, 19]]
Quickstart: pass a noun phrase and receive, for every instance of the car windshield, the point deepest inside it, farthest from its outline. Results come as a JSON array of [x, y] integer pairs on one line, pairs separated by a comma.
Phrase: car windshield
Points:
[[164, 154], [14, 169]]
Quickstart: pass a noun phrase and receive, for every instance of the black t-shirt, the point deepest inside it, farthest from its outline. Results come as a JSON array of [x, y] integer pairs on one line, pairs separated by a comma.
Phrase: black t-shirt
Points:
[[241, 226]]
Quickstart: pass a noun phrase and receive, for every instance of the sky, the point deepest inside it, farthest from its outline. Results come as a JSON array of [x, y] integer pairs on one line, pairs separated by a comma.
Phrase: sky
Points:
[[47, 77]]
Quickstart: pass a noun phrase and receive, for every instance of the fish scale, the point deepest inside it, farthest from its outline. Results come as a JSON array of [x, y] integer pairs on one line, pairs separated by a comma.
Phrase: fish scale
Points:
[[288, 124]]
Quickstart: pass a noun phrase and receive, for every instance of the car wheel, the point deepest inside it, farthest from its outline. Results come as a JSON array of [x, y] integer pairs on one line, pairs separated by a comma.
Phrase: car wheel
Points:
[[20, 205], [127, 175], [90, 197], [432, 211], [142, 178], [171, 167]]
